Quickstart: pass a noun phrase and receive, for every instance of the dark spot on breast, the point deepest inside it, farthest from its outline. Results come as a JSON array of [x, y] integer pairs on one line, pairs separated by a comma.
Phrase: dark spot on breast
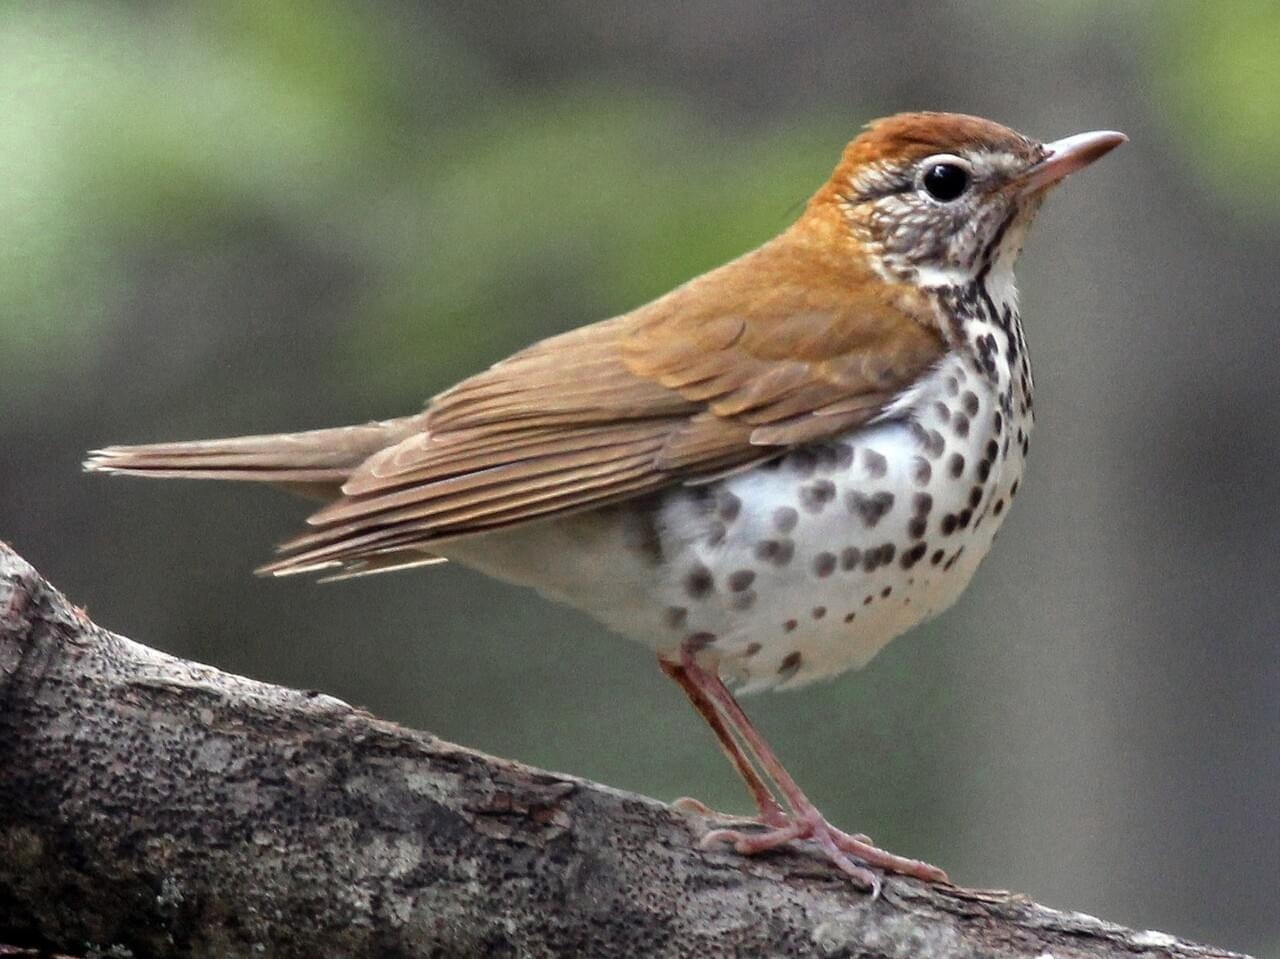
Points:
[[949, 524], [933, 444], [870, 508], [956, 465], [875, 463], [917, 527], [992, 449], [1013, 490], [844, 455], [965, 516], [997, 422], [970, 402], [922, 503], [998, 508], [802, 462], [752, 649], [819, 612], [743, 600], [886, 592], [817, 495], [728, 506], [936, 558], [850, 557], [849, 617], [741, 579], [698, 582], [790, 664], [975, 497], [789, 625], [914, 555], [961, 425], [921, 471], [675, 617], [775, 551], [954, 556], [881, 555], [701, 498], [942, 411], [824, 564], [715, 533], [785, 519], [825, 457]]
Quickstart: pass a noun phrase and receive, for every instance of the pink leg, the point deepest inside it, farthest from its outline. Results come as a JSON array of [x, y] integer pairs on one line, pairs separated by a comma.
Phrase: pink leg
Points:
[[807, 822], [771, 811]]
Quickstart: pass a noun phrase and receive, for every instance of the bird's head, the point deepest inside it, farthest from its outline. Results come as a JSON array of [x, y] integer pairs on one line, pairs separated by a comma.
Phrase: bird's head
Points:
[[936, 199]]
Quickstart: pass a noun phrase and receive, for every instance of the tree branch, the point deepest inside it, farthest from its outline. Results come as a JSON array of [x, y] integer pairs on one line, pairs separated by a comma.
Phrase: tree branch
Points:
[[166, 808]]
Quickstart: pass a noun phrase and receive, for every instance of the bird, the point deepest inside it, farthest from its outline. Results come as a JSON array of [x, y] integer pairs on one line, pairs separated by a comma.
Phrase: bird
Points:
[[764, 475]]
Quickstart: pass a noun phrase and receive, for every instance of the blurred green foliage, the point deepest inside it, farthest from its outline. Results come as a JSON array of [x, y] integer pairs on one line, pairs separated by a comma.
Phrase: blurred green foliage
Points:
[[122, 133], [1218, 72]]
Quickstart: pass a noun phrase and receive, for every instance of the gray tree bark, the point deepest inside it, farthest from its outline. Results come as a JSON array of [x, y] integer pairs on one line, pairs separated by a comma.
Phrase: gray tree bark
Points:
[[155, 807]]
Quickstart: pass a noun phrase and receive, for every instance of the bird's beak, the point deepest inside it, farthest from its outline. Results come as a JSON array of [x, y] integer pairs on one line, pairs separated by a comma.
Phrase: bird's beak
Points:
[[1066, 156]]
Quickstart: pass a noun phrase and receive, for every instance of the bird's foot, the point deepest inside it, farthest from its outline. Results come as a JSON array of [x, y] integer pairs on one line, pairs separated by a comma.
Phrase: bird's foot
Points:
[[841, 848]]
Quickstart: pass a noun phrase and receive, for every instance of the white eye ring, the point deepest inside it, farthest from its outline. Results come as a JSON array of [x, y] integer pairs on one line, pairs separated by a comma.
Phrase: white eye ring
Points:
[[944, 177]]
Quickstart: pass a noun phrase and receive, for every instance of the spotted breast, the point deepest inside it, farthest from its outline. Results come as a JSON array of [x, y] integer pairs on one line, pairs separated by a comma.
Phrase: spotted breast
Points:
[[806, 566]]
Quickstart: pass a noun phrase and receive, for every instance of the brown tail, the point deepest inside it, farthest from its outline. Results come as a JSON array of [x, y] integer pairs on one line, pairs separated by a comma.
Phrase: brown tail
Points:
[[315, 463]]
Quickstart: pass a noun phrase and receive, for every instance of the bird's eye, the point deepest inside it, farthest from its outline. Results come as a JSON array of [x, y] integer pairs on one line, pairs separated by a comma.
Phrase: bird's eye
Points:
[[945, 181]]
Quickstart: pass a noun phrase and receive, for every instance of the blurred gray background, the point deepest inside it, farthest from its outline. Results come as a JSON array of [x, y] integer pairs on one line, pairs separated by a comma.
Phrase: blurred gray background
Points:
[[246, 216]]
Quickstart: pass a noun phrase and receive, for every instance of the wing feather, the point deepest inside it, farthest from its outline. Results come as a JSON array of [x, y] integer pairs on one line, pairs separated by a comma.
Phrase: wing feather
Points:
[[787, 345]]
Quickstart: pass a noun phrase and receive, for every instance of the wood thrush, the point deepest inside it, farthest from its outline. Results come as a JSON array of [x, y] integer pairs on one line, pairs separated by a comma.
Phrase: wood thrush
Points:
[[764, 475]]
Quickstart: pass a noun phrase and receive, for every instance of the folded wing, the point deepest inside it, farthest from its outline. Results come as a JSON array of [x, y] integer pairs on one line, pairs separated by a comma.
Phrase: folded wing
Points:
[[770, 351]]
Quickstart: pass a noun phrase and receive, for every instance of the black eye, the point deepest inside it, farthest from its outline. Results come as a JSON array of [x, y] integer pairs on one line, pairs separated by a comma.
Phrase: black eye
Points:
[[945, 181]]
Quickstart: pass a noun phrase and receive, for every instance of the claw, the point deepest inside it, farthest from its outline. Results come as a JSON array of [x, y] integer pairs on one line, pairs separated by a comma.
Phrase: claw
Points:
[[860, 847], [838, 847]]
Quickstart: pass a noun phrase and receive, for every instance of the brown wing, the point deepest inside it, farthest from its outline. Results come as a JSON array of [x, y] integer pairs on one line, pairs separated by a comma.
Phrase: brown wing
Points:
[[777, 348]]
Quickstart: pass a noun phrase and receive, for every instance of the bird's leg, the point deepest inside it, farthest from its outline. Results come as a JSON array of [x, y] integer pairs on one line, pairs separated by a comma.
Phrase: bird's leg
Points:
[[807, 821], [771, 811]]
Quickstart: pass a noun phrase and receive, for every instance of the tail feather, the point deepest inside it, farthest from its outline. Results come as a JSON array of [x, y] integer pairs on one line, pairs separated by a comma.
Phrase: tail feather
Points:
[[316, 457], [314, 464]]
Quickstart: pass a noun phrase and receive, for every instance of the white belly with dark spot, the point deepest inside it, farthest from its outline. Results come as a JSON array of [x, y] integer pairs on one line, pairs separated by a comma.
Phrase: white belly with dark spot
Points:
[[808, 566], [841, 547]]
